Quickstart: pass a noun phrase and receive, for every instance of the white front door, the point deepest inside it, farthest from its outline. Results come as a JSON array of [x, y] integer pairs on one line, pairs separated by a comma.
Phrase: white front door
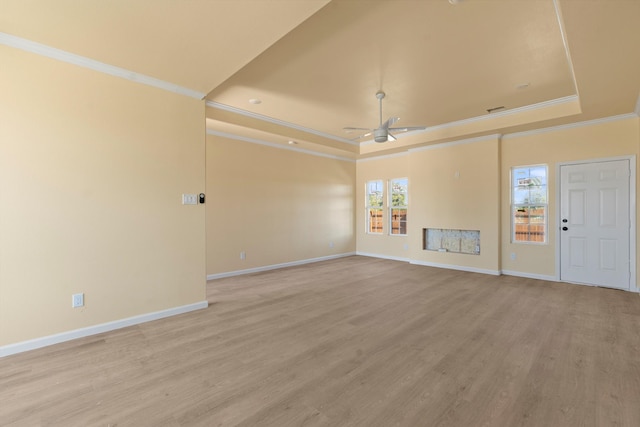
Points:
[[595, 224]]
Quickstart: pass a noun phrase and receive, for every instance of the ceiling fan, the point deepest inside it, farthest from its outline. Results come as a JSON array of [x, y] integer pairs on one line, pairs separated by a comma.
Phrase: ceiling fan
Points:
[[383, 132]]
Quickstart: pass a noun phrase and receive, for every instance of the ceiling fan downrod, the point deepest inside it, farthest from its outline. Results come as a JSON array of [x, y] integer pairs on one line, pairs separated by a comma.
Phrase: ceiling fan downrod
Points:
[[381, 134], [380, 95]]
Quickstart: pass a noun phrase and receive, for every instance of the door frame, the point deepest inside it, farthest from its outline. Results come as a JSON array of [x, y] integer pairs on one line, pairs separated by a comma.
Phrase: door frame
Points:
[[633, 286]]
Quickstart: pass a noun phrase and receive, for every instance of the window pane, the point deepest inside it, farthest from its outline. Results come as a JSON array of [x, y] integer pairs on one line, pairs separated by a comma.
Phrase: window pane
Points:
[[529, 200], [375, 202], [527, 175], [530, 185], [375, 199], [398, 206], [529, 223], [399, 221], [539, 175], [520, 195], [399, 192], [374, 219], [374, 193]]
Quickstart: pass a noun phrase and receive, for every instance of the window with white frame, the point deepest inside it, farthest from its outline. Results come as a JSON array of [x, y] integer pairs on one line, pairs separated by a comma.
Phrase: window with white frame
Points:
[[529, 204], [398, 206], [374, 204]]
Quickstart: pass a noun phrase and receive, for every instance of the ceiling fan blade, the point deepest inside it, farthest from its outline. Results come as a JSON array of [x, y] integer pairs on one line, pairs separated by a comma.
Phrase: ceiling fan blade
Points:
[[391, 138], [408, 128], [362, 136], [351, 129], [389, 122]]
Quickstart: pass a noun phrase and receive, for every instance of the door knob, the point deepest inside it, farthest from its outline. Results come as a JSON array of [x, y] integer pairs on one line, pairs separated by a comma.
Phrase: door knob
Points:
[[565, 228]]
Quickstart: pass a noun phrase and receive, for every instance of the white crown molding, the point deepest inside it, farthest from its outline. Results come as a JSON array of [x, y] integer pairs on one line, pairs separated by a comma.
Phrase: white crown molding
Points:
[[458, 142], [384, 156], [570, 126], [33, 344], [81, 61], [510, 112], [278, 122], [433, 147], [274, 145], [464, 122], [276, 266]]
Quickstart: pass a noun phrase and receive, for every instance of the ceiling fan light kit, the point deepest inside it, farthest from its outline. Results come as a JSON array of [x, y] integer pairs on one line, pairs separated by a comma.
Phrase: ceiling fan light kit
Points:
[[381, 135], [383, 132]]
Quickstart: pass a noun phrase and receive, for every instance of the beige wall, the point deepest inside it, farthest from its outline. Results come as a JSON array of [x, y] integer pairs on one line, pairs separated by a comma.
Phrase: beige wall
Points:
[[92, 168], [450, 186], [478, 196], [457, 187], [595, 141], [275, 205]]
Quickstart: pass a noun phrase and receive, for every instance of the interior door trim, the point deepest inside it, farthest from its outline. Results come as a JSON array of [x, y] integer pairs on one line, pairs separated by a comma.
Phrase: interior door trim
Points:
[[632, 213]]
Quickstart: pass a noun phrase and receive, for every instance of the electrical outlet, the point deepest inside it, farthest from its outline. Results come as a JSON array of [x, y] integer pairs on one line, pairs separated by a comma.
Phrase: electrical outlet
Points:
[[513, 256], [243, 255], [77, 300], [330, 244]]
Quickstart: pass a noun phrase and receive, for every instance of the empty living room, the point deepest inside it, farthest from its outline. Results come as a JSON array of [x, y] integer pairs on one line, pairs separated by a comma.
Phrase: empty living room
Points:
[[319, 212]]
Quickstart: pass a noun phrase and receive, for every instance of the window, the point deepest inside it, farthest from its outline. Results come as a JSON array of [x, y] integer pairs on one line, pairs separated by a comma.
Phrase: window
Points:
[[529, 205], [398, 206], [375, 193]]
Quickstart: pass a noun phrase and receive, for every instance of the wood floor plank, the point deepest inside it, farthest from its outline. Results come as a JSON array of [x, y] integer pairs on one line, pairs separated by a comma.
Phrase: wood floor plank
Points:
[[350, 342]]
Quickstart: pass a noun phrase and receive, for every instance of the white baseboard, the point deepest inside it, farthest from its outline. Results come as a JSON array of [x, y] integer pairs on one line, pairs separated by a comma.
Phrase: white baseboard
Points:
[[393, 258], [432, 264], [97, 329], [530, 275], [276, 266], [457, 267]]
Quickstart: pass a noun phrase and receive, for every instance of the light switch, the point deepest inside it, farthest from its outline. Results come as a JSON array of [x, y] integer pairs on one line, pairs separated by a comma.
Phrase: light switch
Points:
[[189, 199]]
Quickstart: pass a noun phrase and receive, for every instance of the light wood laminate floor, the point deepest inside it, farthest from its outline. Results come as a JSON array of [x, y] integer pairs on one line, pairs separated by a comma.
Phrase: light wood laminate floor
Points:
[[350, 342]]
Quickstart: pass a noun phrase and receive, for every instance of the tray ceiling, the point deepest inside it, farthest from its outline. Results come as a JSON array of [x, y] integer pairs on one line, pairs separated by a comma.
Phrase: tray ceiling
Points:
[[315, 65]]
